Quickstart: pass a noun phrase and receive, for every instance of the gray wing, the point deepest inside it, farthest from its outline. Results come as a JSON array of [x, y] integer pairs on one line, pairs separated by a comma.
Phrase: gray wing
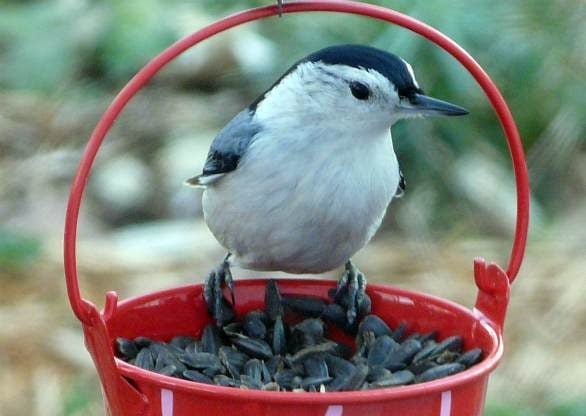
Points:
[[227, 148]]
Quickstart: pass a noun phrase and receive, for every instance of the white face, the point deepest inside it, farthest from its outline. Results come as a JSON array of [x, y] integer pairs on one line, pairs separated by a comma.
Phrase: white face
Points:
[[349, 97]]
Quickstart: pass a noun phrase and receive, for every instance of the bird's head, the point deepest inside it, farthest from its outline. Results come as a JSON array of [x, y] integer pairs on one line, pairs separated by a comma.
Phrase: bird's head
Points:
[[351, 85]]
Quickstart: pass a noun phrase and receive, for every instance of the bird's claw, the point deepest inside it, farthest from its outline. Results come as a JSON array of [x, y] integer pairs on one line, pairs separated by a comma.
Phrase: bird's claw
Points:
[[218, 306], [350, 293]]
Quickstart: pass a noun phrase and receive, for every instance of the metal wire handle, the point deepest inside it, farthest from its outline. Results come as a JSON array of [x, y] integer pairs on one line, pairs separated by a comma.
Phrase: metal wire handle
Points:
[[82, 307]]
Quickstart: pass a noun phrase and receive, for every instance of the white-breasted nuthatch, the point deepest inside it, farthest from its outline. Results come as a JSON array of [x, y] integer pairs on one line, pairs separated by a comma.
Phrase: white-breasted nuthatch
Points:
[[301, 179]]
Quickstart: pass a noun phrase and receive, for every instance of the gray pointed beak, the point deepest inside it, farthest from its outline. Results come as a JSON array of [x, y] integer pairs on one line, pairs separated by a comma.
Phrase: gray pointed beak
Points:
[[422, 105]]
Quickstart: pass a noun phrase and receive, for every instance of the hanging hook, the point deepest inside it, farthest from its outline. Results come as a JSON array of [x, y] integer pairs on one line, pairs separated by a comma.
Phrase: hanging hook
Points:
[[280, 7]]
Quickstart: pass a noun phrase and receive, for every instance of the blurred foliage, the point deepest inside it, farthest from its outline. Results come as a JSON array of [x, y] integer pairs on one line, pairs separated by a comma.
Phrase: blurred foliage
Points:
[[75, 41], [570, 409], [17, 250], [80, 399]]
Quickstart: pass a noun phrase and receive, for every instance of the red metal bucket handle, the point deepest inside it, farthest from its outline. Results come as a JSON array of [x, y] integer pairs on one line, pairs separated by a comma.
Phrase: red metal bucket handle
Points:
[[83, 308]]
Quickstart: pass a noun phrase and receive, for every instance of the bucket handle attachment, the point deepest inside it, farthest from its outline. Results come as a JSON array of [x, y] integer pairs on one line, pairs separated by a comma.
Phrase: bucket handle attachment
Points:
[[83, 308]]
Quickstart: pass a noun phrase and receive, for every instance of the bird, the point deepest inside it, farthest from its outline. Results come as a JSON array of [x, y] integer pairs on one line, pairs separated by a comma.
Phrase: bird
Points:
[[301, 179]]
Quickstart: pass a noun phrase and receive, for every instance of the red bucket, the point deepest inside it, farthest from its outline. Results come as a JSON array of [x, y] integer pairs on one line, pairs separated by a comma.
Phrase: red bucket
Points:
[[129, 390]]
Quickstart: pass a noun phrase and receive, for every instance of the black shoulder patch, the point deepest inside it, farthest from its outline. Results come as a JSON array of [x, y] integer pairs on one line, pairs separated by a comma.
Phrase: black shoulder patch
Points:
[[220, 162], [231, 144]]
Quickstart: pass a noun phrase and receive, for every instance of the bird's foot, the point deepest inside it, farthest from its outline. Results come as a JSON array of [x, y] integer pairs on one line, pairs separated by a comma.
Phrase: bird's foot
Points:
[[351, 295], [218, 306]]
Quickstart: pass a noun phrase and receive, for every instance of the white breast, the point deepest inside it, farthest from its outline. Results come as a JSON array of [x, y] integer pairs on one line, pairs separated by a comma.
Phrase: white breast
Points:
[[303, 203]]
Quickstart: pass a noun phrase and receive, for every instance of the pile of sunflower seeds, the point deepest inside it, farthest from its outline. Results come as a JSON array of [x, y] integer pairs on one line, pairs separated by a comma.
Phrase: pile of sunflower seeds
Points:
[[264, 352]]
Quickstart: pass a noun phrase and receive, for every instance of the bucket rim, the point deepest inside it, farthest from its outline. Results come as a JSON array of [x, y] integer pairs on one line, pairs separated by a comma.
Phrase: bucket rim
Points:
[[470, 375]]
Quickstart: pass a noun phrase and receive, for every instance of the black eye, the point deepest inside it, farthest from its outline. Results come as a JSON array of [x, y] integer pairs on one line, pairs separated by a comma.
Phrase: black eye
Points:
[[359, 90]]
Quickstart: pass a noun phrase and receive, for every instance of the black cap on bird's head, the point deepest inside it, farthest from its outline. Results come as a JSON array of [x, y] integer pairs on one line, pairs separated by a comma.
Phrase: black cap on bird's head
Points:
[[390, 66], [366, 57]]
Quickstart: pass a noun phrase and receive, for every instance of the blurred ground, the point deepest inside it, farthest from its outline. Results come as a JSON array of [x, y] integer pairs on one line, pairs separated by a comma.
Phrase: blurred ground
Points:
[[141, 230]]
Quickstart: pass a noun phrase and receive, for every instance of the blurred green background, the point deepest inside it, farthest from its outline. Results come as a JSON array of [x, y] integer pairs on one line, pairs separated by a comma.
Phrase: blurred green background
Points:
[[62, 62]]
